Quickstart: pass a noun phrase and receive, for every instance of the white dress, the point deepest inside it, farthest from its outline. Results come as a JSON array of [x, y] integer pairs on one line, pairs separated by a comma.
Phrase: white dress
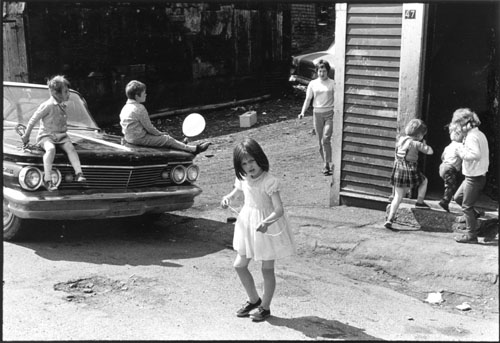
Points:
[[249, 242]]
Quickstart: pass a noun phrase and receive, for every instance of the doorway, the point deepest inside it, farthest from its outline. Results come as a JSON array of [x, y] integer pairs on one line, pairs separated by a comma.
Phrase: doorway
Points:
[[461, 71]]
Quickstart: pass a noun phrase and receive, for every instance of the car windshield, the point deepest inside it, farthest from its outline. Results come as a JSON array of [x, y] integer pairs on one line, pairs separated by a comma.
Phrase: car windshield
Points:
[[21, 101]]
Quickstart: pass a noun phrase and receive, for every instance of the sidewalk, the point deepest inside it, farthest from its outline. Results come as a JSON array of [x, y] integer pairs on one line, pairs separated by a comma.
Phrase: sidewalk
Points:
[[411, 259]]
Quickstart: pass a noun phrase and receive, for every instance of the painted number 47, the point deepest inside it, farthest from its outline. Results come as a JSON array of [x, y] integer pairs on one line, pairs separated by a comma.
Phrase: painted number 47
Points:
[[410, 14]]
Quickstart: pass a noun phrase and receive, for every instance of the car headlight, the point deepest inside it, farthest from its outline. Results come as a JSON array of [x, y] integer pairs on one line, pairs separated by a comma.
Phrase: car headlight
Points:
[[192, 173], [30, 178], [56, 177], [178, 174]]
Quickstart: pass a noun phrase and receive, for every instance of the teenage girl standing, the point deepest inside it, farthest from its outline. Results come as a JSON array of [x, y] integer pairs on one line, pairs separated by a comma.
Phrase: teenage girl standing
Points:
[[262, 231], [320, 91]]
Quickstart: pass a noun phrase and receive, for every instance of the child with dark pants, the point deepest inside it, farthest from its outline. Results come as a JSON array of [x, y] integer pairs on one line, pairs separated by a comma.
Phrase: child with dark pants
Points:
[[475, 162], [450, 168]]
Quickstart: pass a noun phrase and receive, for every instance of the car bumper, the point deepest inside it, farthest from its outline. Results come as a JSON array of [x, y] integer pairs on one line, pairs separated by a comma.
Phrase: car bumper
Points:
[[98, 205], [299, 80]]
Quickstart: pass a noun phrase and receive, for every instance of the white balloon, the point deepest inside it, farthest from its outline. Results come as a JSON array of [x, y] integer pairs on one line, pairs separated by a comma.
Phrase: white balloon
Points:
[[193, 125]]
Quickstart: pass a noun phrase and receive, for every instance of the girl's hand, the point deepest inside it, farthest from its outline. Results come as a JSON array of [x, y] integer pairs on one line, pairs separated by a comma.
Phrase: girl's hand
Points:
[[25, 139], [225, 202], [262, 227], [300, 116]]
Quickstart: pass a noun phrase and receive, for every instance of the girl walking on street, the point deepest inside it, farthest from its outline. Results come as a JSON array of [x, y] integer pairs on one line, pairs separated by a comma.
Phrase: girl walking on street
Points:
[[320, 91], [405, 173], [262, 231]]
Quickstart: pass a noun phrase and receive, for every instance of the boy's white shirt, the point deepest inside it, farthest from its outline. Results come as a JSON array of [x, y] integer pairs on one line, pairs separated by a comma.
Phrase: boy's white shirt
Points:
[[474, 153], [450, 155]]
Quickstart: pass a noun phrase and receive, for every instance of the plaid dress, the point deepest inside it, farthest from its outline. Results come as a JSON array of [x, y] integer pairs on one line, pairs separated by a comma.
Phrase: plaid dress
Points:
[[405, 173]]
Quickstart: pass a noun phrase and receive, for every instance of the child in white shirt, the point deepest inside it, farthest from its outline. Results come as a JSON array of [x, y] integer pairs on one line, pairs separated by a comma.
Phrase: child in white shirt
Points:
[[451, 165]]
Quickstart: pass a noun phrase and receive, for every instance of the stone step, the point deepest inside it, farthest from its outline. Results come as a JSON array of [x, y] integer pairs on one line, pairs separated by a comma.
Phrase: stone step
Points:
[[436, 219]]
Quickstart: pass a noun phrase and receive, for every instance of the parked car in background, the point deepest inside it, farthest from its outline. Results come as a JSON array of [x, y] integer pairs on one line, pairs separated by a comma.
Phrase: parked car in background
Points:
[[303, 66], [123, 180]]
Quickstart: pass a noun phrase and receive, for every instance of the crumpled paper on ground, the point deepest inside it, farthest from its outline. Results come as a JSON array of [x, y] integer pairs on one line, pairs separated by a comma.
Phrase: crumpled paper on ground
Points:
[[434, 298]]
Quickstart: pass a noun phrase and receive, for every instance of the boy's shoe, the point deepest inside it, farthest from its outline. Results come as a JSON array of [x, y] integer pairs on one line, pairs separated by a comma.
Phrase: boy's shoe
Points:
[[80, 178], [388, 224], [444, 205], [202, 147], [422, 205], [49, 185], [465, 238], [327, 171], [247, 308], [260, 314]]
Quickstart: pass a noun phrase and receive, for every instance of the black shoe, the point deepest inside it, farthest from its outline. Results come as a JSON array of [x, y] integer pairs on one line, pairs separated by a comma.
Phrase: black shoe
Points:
[[327, 171], [466, 238], [388, 224], [260, 314], [202, 147], [422, 205], [444, 205], [245, 310]]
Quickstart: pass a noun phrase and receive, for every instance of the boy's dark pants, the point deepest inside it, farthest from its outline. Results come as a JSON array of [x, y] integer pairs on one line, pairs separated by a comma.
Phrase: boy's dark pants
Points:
[[466, 196], [450, 176]]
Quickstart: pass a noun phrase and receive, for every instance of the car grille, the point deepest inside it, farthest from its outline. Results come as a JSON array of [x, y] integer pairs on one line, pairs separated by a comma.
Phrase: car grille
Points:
[[110, 177]]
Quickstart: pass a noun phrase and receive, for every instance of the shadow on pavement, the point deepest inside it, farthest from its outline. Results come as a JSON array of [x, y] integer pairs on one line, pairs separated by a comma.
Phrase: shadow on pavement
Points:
[[128, 241], [316, 327]]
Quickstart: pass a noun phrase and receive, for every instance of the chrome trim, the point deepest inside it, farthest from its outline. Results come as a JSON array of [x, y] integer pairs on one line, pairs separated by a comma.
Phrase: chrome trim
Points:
[[105, 166]]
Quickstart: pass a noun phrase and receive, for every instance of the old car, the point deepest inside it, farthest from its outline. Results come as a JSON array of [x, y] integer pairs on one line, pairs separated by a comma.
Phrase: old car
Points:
[[123, 180], [303, 68]]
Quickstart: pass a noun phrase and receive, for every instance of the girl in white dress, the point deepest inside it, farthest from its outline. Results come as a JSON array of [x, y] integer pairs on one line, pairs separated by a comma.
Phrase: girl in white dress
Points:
[[262, 231]]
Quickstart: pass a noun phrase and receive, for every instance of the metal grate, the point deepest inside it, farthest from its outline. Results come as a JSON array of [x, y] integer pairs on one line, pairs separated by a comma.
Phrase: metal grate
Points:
[[117, 178]]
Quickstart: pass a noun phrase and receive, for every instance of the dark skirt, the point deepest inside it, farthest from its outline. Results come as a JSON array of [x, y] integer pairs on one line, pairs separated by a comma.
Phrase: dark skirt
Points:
[[406, 174]]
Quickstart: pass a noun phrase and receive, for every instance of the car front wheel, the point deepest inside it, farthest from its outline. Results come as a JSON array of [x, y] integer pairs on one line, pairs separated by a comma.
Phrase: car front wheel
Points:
[[12, 225]]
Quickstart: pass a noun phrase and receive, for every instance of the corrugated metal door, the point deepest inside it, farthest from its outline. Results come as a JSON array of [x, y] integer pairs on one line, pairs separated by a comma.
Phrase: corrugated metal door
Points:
[[372, 60]]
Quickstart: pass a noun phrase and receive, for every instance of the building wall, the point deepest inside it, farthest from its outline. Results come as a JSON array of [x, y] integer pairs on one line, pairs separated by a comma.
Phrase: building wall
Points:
[[367, 110], [187, 53]]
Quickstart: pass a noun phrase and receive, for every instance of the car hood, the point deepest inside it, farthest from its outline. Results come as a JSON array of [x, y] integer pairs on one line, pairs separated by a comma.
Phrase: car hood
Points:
[[93, 147]]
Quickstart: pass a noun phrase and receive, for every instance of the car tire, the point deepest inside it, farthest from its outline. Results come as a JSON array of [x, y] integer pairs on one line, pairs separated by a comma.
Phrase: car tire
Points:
[[13, 226]]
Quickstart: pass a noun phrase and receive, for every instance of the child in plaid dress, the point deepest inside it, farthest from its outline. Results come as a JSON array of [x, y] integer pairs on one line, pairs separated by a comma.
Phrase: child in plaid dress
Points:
[[405, 173]]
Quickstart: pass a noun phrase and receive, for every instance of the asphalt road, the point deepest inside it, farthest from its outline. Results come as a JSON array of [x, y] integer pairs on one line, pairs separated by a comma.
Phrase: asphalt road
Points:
[[173, 280]]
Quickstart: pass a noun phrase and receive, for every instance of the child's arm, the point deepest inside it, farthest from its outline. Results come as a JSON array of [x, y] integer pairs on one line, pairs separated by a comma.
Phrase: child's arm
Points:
[[307, 101], [424, 148], [226, 200], [469, 151], [146, 123], [275, 215], [35, 118]]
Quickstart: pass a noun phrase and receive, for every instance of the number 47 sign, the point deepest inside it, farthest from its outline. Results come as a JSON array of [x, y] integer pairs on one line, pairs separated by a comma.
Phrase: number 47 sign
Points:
[[410, 14]]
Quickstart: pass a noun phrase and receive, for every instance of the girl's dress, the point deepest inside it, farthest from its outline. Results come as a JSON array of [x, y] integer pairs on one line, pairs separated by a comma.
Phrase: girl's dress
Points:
[[405, 172], [249, 242]]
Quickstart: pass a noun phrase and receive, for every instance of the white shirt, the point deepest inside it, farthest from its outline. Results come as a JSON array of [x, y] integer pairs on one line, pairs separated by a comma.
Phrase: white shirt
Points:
[[322, 93], [475, 153], [450, 155]]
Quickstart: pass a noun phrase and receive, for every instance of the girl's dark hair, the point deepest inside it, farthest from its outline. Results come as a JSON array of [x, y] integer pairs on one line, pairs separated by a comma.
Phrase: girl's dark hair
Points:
[[249, 147], [134, 88], [57, 83], [323, 63]]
